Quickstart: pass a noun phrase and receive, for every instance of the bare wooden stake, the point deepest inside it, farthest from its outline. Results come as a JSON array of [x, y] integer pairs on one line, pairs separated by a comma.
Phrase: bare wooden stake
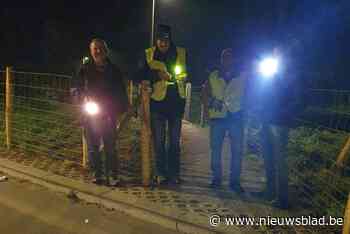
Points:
[[146, 141], [188, 102], [343, 155], [85, 149], [131, 91], [346, 226], [8, 107]]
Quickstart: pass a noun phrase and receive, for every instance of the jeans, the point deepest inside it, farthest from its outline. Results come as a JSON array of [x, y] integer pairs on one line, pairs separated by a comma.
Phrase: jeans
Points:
[[218, 129], [97, 129], [167, 156], [274, 150]]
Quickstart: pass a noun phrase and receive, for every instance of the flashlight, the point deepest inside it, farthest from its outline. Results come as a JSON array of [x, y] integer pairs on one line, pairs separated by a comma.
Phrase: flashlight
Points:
[[91, 108], [177, 70], [85, 60], [268, 67]]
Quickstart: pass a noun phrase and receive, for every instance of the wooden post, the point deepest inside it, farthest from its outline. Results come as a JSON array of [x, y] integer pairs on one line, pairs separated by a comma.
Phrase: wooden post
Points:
[[188, 102], [130, 91], [346, 225], [146, 135], [204, 96], [202, 116], [343, 155], [85, 149], [8, 107]]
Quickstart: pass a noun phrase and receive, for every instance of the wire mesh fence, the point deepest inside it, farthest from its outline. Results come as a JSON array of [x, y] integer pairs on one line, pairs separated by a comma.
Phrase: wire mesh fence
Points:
[[317, 183], [45, 124], [43, 121], [328, 108]]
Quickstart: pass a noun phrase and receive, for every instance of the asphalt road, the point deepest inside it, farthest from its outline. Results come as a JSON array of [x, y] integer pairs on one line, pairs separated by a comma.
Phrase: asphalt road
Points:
[[26, 208]]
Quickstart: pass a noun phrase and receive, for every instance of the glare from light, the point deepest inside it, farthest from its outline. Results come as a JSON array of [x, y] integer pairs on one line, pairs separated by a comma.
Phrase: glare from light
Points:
[[268, 67], [85, 60], [178, 70], [91, 108]]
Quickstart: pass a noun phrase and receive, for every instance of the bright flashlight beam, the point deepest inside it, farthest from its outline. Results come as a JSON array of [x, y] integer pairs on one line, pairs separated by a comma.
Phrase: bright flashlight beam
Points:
[[269, 67], [91, 108], [178, 70]]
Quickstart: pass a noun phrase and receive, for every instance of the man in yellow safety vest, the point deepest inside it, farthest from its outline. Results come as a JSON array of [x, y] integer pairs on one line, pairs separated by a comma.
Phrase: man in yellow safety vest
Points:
[[164, 66], [224, 95]]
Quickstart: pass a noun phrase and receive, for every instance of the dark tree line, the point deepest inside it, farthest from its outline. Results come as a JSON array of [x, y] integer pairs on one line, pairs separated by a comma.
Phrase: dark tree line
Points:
[[53, 37]]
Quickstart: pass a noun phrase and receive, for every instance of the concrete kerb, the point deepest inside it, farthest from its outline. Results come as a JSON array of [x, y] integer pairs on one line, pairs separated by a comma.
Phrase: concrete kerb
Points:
[[55, 184]]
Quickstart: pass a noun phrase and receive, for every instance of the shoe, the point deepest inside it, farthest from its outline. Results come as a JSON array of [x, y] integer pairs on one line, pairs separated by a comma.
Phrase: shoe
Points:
[[160, 180], [113, 182], [237, 188], [97, 181], [176, 181]]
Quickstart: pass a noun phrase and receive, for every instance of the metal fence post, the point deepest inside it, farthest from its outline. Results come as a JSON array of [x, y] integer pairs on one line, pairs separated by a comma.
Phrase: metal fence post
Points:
[[146, 135], [346, 226], [8, 107], [188, 102]]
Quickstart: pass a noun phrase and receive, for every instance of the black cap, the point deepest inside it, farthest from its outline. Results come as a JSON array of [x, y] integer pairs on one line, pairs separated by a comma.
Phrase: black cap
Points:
[[164, 32], [226, 51]]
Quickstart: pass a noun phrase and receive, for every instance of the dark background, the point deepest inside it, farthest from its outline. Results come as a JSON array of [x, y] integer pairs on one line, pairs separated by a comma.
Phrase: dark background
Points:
[[52, 36]]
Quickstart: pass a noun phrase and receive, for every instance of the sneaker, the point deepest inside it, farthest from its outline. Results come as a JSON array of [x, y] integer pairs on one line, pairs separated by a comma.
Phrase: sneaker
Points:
[[97, 181], [176, 181], [237, 188], [113, 182], [160, 180]]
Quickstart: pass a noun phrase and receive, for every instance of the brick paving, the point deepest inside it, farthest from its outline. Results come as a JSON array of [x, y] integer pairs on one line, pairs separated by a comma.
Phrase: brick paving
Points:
[[193, 200]]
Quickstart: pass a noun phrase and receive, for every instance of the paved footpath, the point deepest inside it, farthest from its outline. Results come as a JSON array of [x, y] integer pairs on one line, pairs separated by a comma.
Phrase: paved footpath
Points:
[[185, 208], [27, 208]]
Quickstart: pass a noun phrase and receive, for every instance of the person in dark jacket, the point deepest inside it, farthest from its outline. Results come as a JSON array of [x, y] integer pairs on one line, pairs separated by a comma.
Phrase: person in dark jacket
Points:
[[277, 102], [100, 82], [164, 65]]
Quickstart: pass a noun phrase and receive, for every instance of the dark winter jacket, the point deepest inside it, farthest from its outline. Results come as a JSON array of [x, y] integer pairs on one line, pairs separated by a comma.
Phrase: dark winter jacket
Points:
[[105, 86], [278, 100]]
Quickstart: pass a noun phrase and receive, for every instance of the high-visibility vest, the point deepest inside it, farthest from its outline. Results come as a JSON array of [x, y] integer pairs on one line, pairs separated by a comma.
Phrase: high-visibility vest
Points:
[[160, 87], [229, 93]]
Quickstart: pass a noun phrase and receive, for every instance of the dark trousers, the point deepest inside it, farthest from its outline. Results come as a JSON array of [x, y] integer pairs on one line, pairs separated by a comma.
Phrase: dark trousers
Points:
[[103, 129], [167, 156], [218, 129], [274, 149]]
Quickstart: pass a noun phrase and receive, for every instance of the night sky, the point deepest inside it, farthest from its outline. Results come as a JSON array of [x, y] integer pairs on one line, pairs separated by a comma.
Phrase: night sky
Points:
[[54, 35]]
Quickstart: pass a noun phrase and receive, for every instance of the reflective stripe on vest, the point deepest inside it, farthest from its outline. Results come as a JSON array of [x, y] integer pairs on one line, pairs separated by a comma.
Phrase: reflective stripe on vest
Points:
[[230, 94], [160, 87]]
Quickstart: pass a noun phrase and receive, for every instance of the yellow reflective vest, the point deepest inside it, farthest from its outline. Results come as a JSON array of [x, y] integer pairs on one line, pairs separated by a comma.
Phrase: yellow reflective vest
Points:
[[230, 94], [160, 87]]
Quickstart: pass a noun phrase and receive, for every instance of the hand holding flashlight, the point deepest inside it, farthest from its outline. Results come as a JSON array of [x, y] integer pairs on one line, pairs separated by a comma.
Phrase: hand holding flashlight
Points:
[[91, 108]]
